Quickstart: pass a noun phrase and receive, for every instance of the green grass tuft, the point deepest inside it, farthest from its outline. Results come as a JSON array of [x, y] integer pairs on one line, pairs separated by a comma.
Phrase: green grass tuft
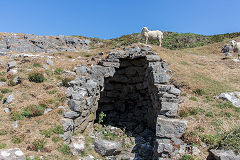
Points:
[[64, 149], [36, 77], [5, 90], [33, 111], [59, 71], [3, 145], [228, 140], [37, 65], [39, 144], [188, 157]]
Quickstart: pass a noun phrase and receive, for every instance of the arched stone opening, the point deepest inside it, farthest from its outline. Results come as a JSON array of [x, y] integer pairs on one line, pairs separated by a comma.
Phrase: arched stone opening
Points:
[[125, 99], [131, 87], [127, 103]]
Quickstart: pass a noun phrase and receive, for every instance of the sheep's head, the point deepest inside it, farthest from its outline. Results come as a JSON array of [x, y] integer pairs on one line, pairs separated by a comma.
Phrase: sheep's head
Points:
[[233, 43], [145, 29]]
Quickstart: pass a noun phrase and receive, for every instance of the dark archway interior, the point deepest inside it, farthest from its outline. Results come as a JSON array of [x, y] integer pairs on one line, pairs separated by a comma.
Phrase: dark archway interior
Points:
[[126, 100]]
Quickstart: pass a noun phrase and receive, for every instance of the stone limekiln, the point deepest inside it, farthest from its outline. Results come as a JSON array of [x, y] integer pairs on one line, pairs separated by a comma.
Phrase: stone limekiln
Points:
[[132, 87]]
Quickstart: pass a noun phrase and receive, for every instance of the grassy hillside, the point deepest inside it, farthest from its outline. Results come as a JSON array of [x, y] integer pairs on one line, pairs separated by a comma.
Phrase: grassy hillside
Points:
[[171, 40], [202, 74]]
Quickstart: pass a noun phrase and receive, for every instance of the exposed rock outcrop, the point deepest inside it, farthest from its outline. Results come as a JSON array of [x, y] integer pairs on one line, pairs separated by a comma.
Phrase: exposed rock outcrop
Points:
[[12, 154], [233, 97], [224, 155], [77, 145], [29, 43], [107, 148]]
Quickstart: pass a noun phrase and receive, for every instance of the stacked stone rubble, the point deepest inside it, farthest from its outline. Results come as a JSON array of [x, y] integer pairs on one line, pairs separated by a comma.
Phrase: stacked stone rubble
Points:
[[130, 85]]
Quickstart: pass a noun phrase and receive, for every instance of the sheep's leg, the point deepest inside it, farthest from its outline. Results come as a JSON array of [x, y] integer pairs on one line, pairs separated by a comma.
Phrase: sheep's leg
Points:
[[146, 40], [160, 42]]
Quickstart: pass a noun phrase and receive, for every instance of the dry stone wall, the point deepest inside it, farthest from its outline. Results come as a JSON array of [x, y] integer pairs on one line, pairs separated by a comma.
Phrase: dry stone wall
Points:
[[131, 86]]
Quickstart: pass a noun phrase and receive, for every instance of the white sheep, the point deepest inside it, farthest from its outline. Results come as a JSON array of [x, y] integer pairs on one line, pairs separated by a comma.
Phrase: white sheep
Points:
[[227, 49], [152, 35], [236, 47]]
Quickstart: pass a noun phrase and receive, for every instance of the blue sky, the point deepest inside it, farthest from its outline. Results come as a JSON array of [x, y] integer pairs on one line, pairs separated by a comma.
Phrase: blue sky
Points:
[[113, 18]]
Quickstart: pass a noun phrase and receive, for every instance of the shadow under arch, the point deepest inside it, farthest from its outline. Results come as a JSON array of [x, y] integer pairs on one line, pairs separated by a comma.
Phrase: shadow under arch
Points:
[[127, 102]]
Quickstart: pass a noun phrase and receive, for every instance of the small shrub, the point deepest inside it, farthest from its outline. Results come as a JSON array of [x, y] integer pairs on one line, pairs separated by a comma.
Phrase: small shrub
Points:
[[88, 140], [231, 140], [3, 132], [52, 92], [209, 114], [64, 149], [188, 157], [58, 130], [188, 112], [61, 99], [208, 99], [199, 92], [210, 139], [39, 144], [1, 96], [17, 139], [106, 135], [228, 114], [49, 73], [191, 137], [69, 56], [59, 71], [223, 105], [49, 132], [33, 111], [193, 98], [2, 77], [101, 116], [217, 122], [87, 55], [58, 77], [109, 136], [5, 90], [36, 77], [56, 139], [46, 133], [65, 82], [100, 130], [3, 145], [37, 65], [202, 110], [228, 140], [237, 109], [16, 116], [200, 128], [83, 154], [51, 101], [60, 111], [184, 94]]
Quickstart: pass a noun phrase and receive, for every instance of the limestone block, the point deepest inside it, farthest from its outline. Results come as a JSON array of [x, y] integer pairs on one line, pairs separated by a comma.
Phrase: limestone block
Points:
[[169, 128]]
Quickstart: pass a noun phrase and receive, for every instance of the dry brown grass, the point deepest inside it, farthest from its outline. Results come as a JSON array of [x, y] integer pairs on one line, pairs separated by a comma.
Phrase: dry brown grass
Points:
[[30, 93], [203, 68], [197, 68]]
